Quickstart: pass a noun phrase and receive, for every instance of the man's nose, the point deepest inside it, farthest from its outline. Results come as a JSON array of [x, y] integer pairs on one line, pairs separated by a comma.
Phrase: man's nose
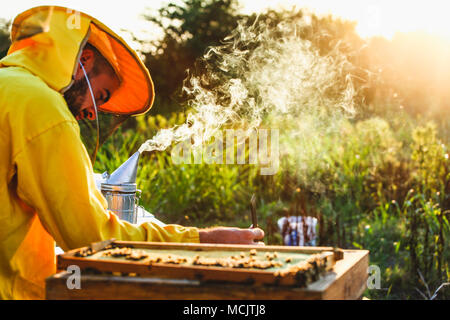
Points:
[[87, 113], [91, 114]]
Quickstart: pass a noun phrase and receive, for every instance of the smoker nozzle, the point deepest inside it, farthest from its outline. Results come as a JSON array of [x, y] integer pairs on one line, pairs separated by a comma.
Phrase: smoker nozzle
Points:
[[127, 172]]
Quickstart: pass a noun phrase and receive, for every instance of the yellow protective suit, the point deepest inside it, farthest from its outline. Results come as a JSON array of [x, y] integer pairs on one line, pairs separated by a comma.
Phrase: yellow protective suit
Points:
[[47, 189]]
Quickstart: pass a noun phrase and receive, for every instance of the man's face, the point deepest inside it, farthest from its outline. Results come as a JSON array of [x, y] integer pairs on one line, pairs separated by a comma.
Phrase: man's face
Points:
[[78, 97]]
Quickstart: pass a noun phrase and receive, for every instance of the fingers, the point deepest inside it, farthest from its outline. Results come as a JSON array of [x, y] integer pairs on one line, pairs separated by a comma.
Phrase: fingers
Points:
[[258, 234], [252, 236]]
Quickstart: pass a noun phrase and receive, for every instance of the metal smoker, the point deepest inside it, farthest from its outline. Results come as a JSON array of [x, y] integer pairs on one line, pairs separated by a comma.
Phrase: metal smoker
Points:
[[120, 189]]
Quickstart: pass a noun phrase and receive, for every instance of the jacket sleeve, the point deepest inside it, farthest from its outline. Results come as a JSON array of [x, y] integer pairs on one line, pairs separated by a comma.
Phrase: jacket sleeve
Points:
[[55, 177]]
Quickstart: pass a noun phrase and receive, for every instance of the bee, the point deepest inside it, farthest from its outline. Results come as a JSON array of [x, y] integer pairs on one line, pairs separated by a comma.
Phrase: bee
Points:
[[85, 253], [120, 252], [264, 265], [269, 256], [276, 264], [155, 260], [136, 255]]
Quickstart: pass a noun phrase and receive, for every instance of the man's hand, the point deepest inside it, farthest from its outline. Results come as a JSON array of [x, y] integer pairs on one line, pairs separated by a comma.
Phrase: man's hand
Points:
[[231, 235]]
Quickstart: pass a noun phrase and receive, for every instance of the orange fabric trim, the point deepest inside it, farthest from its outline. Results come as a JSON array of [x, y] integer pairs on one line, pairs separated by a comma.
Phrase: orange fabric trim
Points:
[[17, 45]]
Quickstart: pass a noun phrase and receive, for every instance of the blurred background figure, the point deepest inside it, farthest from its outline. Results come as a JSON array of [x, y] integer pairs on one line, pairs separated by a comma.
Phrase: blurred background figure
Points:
[[298, 230]]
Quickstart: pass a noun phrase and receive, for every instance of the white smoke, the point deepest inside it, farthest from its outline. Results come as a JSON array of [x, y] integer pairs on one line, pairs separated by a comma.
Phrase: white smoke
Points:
[[265, 76]]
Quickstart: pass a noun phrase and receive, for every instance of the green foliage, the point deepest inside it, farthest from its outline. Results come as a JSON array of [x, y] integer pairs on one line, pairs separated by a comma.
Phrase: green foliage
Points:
[[189, 28], [4, 37], [201, 193], [430, 159]]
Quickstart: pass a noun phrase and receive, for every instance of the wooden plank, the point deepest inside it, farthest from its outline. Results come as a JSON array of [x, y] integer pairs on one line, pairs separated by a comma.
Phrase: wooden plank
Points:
[[349, 277], [94, 287], [346, 281], [352, 280], [213, 247]]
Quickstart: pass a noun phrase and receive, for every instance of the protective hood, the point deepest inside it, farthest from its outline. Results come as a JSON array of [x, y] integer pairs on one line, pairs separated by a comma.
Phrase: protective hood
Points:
[[48, 41]]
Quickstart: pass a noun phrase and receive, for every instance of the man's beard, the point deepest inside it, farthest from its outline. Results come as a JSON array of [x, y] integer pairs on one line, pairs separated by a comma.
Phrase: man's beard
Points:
[[75, 96]]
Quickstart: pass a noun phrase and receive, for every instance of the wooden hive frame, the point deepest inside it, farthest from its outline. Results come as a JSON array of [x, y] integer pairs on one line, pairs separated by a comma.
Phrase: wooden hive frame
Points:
[[322, 260]]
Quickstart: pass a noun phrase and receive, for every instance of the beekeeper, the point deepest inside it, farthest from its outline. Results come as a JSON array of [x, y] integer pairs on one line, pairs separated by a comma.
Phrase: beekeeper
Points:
[[58, 59]]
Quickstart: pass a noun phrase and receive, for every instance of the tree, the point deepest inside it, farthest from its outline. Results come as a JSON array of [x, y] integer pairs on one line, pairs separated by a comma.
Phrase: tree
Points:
[[4, 37], [189, 29]]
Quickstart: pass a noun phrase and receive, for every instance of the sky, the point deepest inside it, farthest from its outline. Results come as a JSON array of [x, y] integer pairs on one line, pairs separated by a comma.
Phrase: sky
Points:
[[373, 17]]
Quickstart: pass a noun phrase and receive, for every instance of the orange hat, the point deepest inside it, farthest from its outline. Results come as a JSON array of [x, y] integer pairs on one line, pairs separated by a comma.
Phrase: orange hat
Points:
[[136, 92]]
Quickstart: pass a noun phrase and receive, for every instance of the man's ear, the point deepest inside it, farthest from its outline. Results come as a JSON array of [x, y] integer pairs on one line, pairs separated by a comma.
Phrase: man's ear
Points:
[[87, 59]]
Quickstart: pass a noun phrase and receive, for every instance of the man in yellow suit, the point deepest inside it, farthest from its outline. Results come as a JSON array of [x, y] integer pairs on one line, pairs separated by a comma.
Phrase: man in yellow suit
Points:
[[47, 185]]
